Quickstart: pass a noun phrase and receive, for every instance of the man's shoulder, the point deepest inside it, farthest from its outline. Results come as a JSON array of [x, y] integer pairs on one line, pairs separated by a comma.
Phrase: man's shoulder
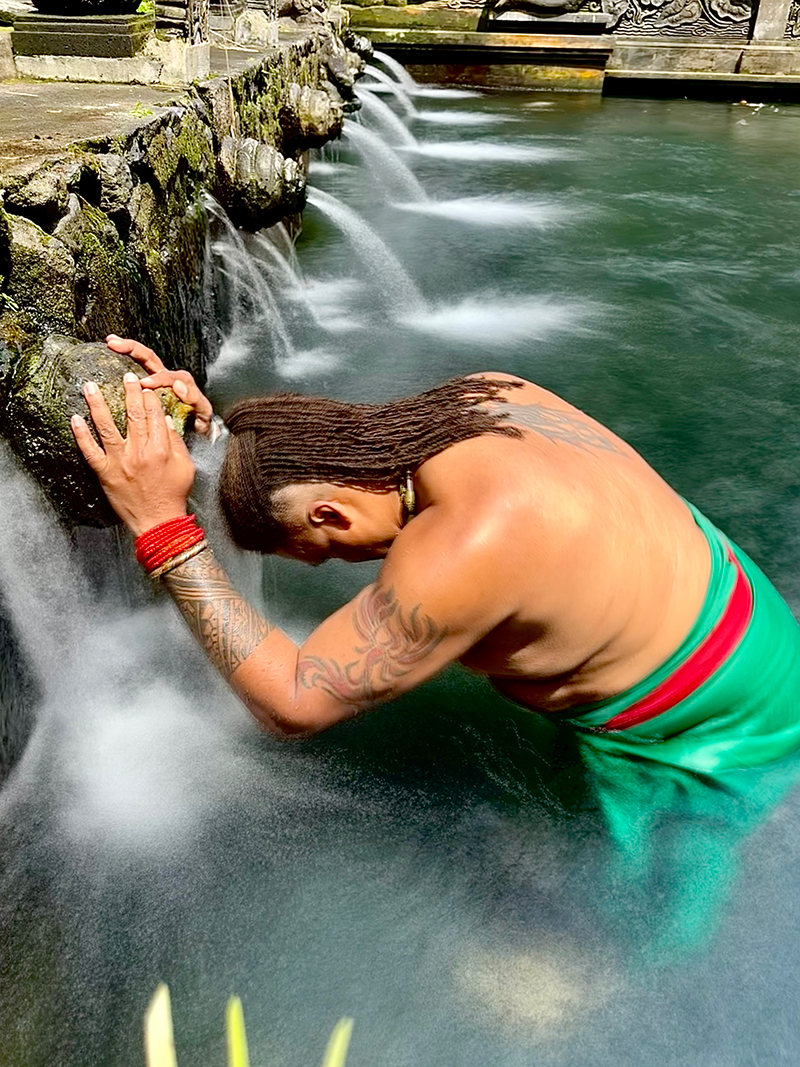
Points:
[[457, 569]]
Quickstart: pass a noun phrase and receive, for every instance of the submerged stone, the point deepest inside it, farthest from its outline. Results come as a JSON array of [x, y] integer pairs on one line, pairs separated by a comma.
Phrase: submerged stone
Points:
[[39, 391]]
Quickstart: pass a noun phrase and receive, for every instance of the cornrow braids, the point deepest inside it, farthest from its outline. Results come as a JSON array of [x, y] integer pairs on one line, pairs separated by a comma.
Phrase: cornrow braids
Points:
[[286, 438]]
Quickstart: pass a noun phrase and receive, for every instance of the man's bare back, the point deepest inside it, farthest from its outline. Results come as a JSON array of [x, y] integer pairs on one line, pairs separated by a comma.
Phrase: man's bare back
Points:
[[591, 568]]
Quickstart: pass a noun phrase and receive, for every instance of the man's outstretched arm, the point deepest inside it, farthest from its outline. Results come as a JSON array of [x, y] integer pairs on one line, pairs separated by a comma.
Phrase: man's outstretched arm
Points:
[[373, 649], [382, 644]]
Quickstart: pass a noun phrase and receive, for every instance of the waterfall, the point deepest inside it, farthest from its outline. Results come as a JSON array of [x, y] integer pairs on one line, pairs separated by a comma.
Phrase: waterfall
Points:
[[413, 88], [391, 280], [393, 129], [281, 239], [251, 308], [400, 73], [389, 170], [393, 87]]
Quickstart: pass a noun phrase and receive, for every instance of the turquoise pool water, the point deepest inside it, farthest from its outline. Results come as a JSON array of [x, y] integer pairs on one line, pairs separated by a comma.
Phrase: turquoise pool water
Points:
[[438, 870]]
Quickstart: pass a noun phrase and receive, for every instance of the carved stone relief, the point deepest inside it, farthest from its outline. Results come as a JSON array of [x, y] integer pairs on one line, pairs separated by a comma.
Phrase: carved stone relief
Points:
[[793, 22], [721, 19]]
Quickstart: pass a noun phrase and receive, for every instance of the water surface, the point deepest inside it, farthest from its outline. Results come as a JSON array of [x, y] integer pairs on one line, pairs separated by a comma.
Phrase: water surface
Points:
[[438, 870]]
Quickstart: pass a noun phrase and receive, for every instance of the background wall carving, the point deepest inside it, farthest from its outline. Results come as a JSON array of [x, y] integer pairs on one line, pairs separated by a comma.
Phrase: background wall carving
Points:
[[724, 20]]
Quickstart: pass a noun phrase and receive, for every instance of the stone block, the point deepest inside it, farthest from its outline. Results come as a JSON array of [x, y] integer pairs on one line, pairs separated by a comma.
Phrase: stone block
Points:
[[171, 62], [767, 60], [171, 14], [134, 70], [7, 68], [686, 58], [106, 36]]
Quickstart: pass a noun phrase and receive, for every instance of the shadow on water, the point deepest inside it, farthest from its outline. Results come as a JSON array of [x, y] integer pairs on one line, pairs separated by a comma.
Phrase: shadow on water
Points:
[[448, 869]]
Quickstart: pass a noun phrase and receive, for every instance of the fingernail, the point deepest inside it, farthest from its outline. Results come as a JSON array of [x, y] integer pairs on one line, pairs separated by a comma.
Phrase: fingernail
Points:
[[181, 388], [112, 337], [146, 380], [89, 388], [169, 422], [130, 377], [76, 420]]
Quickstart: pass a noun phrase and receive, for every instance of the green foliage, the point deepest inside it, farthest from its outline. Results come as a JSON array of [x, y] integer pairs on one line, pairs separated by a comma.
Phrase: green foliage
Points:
[[159, 1043], [146, 7], [140, 111]]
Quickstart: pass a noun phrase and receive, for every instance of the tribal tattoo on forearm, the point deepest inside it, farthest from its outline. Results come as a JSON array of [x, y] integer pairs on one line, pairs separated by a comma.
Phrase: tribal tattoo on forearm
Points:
[[392, 643], [558, 426], [227, 627]]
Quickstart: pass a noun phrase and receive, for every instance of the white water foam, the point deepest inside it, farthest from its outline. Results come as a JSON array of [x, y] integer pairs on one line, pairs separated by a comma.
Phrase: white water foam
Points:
[[462, 118], [439, 92], [309, 364], [499, 321], [491, 152], [497, 211]]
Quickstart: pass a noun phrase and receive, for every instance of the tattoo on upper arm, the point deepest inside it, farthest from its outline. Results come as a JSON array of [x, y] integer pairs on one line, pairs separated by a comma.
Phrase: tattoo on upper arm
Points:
[[558, 426], [225, 624], [392, 642]]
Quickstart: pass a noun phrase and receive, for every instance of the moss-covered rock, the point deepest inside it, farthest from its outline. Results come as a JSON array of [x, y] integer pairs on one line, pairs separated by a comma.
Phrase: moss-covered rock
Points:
[[39, 391], [41, 276]]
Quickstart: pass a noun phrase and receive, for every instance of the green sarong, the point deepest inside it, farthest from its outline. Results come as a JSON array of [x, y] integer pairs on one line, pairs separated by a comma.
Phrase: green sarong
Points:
[[746, 714]]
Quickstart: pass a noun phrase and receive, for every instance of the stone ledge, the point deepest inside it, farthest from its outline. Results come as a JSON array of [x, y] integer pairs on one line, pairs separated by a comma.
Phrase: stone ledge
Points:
[[682, 75], [118, 36], [520, 42], [653, 58], [169, 62]]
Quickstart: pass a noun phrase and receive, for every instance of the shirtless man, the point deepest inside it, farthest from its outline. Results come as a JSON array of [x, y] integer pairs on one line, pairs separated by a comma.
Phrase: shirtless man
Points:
[[519, 537]]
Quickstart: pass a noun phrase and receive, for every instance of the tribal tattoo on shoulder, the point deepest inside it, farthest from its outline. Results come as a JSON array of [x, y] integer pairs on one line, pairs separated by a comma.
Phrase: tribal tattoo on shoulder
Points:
[[560, 426], [223, 622], [392, 641]]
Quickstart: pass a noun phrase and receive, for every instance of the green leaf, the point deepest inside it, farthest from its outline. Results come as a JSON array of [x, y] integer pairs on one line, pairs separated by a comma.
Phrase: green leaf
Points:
[[338, 1043], [237, 1038], [159, 1045]]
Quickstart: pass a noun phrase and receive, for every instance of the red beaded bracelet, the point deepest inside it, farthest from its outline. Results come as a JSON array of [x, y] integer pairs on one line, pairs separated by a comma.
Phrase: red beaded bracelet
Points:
[[162, 543]]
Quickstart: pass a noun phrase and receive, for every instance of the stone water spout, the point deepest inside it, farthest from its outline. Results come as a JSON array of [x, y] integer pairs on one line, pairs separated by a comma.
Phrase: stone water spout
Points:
[[39, 391]]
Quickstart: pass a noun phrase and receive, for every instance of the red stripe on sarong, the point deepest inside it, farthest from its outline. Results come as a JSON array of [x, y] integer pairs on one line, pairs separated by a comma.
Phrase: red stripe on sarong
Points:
[[701, 664]]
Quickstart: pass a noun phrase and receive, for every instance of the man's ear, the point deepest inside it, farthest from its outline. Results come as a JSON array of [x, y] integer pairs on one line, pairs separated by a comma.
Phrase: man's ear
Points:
[[328, 513]]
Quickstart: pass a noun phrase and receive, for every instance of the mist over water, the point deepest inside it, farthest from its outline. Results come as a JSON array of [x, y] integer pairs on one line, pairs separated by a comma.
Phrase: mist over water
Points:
[[439, 869]]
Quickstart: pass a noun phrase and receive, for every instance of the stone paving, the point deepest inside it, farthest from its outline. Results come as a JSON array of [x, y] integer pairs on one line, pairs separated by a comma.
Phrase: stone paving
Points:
[[39, 119]]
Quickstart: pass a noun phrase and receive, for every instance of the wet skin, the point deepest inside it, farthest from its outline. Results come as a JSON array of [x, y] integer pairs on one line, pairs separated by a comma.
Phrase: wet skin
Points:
[[559, 564]]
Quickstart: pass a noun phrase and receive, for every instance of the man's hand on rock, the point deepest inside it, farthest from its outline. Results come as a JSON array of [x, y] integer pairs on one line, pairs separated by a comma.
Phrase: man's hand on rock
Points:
[[180, 382], [148, 475]]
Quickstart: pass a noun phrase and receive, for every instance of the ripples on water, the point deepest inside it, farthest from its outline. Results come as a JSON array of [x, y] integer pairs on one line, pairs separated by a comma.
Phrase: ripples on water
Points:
[[440, 869]]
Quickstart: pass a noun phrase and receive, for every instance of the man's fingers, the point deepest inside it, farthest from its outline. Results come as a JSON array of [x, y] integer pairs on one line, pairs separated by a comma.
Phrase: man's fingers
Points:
[[176, 442], [92, 452], [156, 424], [134, 405], [161, 379], [185, 388], [141, 353], [109, 435]]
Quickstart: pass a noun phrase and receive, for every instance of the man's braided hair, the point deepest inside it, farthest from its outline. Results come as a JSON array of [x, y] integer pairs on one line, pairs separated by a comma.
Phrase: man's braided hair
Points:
[[287, 438]]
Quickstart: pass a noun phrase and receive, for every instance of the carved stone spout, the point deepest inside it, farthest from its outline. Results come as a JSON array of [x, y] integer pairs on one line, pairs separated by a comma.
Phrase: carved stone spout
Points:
[[39, 391]]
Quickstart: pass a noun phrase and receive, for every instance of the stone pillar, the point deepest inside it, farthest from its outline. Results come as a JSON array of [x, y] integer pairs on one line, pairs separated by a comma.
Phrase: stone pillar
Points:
[[771, 19], [196, 21]]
